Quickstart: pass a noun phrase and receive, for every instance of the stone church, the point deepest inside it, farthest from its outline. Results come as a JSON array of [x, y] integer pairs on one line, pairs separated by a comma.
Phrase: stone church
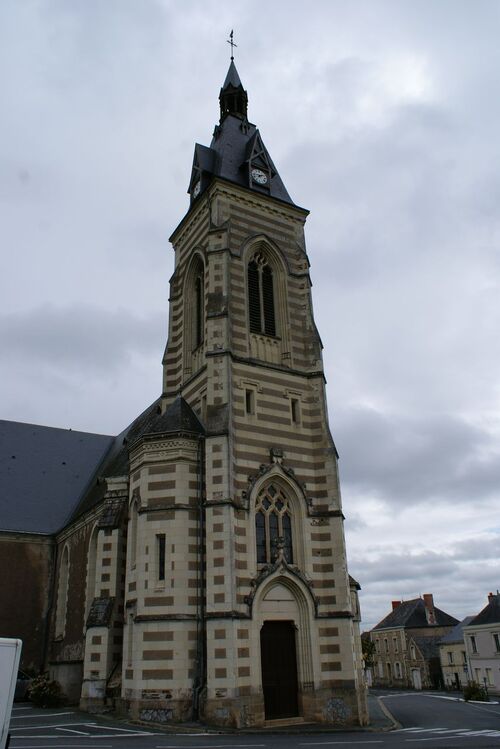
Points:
[[194, 566]]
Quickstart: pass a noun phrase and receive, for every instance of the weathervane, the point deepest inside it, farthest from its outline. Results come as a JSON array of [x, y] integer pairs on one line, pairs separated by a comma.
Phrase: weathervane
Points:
[[230, 41]]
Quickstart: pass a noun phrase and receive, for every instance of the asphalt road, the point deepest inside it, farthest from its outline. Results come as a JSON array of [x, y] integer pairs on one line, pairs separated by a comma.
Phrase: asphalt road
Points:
[[427, 721]]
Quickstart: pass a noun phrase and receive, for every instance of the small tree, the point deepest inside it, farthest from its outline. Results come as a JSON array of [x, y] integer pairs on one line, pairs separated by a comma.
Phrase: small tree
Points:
[[45, 692], [474, 691], [368, 649]]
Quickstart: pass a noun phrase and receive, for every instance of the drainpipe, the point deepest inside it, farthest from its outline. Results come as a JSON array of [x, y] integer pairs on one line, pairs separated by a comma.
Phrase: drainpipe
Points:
[[200, 679]]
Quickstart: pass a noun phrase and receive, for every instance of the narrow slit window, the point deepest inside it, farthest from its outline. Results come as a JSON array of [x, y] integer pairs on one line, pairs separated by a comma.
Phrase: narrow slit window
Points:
[[249, 401], [294, 407], [160, 545]]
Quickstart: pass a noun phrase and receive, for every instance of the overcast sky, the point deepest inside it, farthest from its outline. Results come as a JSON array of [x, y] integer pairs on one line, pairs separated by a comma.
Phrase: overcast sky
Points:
[[383, 119]]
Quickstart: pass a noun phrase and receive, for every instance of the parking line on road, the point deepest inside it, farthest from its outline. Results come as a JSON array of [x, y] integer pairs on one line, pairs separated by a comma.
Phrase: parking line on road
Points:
[[127, 730], [208, 746], [73, 730], [337, 743], [53, 725], [68, 746], [41, 715]]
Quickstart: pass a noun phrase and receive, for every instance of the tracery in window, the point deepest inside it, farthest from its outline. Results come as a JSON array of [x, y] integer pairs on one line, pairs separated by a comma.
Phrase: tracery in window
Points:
[[273, 525], [261, 296]]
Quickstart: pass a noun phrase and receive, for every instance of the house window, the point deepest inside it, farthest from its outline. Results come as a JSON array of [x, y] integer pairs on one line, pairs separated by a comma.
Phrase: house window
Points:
[[273, 525], [464, 656], [294, 410], [395, 644], [386, 645], [397, 669], [477, 671], [261, 296], [473, 644], [496, 640], [160, 556], [489, 677], [413, 653], [381, 669], [450, 658], [389, 671]]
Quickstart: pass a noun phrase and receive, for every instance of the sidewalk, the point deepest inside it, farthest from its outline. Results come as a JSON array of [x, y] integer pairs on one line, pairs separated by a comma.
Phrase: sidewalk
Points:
[[380, 719]]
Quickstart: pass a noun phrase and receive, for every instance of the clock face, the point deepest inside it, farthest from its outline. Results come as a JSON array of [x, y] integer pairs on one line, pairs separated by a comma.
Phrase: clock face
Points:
[[259, 176], [196, 189]]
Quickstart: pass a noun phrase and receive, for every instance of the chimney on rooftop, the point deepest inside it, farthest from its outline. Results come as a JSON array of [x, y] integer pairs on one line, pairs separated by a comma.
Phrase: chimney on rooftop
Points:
[[490, 597], [395, 604], [430, 614]]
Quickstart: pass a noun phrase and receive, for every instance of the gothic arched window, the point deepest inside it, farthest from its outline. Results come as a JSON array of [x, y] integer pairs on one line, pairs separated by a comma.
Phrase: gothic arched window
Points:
[[91, 571], [273, 525], [261, 296], [198, 321], [62, 594]]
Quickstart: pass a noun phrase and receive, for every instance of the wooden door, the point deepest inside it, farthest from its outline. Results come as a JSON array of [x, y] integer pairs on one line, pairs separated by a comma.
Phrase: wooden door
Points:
[[279, 669]]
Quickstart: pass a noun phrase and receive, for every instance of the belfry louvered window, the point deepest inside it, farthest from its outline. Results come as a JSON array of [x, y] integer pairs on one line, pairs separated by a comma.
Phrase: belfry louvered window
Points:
[[198, 311], [273, 525], [261, 296]]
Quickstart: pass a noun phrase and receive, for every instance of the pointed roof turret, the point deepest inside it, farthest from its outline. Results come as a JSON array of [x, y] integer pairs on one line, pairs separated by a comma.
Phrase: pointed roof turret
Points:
[[237, 152], [233, 97]]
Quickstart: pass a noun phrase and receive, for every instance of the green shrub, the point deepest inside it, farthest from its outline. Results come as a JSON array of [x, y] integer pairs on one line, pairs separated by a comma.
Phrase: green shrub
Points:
[[45, 692], [474, 691]]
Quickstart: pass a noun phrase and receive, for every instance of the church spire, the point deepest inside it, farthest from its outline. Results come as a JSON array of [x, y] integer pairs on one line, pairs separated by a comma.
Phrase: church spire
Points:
[[233, 97]]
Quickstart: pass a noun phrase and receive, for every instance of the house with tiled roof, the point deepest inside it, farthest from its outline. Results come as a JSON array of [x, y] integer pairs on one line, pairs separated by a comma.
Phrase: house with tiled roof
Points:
[[407, 644], [482, 642], [453, 657]]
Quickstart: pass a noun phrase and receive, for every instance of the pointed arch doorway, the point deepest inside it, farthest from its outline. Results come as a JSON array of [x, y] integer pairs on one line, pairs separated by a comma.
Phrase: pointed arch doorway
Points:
[[279, 669]]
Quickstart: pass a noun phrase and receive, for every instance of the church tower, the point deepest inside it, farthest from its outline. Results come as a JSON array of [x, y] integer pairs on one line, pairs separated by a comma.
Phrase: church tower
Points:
[[239, 608]]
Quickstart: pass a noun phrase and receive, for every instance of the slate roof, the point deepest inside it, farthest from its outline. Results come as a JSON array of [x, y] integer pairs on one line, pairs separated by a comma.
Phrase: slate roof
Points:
[[428, 646], [411, 614], [232, 77], [456, 635], [490, 614], [178, 417], [44, 472], [49, 476], [229, 150]]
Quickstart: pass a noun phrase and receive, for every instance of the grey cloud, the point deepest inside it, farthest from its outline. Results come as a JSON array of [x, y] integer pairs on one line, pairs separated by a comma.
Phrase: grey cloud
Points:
[[79, 337], [402, 458]]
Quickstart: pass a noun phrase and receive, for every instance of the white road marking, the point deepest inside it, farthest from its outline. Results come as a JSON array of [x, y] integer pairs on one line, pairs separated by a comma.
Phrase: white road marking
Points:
[[67, 746], [338, 743], [127, 730], [206, 746], [23, 708], [91, 737], [41, 715], [73, 730], [53, 725]]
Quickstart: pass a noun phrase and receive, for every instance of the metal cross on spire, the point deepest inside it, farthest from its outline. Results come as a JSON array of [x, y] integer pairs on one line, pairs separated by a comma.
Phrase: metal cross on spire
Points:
[[230, 41]]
